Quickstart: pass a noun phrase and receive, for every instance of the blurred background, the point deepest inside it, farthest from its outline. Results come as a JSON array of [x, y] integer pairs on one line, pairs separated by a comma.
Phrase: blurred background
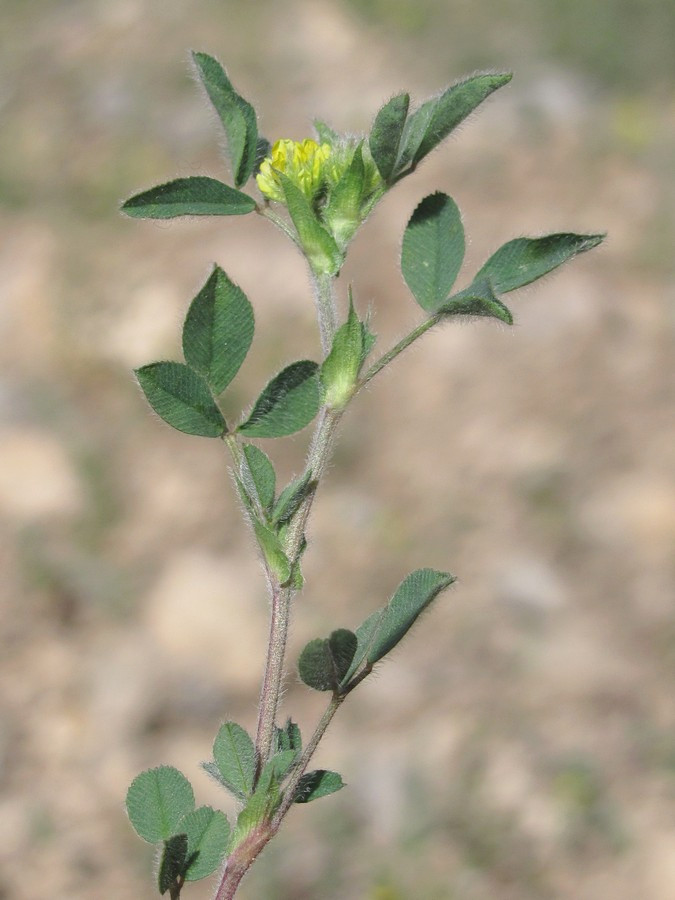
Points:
[[521, 743]]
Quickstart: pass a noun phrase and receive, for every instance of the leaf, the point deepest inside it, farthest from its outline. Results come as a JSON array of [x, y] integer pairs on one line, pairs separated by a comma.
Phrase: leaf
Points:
[[195, 196], [316, 784], [288, 737], [340, 369], [433, 250], [383, 630], [157, 800], [208, 832], [234, 754], [172, 865], [277, 561], [291, 498], [477, 300], [524, 260], [288, 403], [182, 398], [258, 475], [386, 133], [437, 117], [218, 330], [324, 662], [236, 114], [319, 245]]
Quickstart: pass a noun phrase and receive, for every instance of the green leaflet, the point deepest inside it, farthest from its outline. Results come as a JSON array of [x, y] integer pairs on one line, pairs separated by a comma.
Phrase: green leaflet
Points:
[[195, 196], [324, 662], [218, 330], [173, 862], [385, 135], [433, 250], [316, 784], [429, 125], [234, 754], [258, 475], [182, 398], [383, 630], [288, 403], [524, 260], [477, 300], [157, 800], [236, 114], [208, 832]]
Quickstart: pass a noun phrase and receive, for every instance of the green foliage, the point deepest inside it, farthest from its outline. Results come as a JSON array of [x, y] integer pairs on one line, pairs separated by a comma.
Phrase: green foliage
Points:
[[382, 631], [343, 213], [288, 737], [524, 260], [288, 403], [207, 831], [292, 496], [323, 254], [173, 863], [340, 370], [218, 331], [317, 784], [195, 196], [236, 114], [157, 800], [386, 134], [258, 475], [438, 117], [332, 191], [182, 398], [477, 300], [433, 250], [324, 662], [234, 754], [275, 558]]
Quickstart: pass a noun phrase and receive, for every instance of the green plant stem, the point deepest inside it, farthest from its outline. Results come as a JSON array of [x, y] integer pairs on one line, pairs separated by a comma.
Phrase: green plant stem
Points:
[[386, 358], [325, 309], [317, 459], [267, 213]]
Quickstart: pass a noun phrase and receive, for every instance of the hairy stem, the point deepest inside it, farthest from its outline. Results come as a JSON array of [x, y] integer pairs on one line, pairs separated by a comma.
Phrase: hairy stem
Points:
[[317, 459], [387, 357], [325, 309], [299, 770]]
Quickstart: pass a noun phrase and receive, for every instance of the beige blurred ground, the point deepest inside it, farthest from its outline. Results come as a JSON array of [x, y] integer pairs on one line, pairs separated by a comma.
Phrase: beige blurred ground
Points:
[[522, 744]]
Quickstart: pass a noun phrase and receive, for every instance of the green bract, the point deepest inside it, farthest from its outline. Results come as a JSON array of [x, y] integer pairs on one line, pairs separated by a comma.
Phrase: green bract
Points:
[[318, 193]]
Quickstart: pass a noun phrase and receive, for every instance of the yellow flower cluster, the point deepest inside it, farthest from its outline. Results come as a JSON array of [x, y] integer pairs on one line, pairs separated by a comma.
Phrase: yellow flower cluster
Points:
[[304, 162]]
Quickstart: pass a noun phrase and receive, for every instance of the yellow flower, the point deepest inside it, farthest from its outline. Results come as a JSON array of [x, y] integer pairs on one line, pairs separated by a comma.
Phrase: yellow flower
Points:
[[304, 162]]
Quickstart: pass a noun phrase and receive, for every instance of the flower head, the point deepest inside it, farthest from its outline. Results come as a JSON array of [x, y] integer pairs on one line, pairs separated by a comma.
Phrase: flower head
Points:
[[306, 163]]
